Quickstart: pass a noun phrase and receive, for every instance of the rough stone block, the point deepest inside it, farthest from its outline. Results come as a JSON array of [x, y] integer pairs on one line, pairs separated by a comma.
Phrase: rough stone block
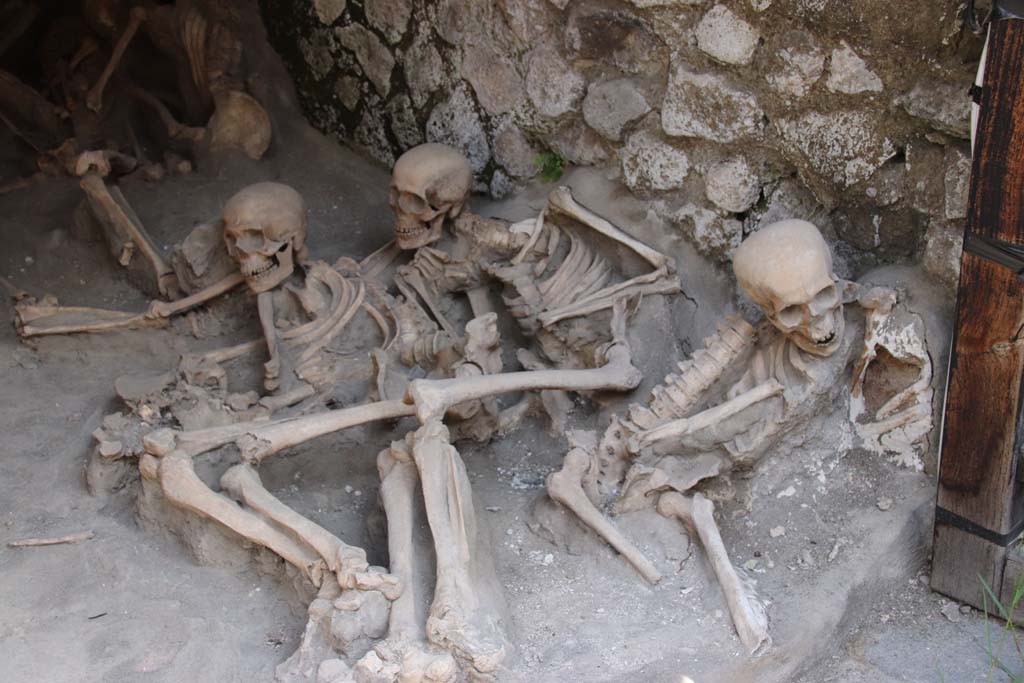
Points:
[[708, 106]]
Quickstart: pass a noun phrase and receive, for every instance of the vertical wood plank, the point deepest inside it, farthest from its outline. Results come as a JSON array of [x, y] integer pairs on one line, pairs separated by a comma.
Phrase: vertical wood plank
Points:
[[978, 484]]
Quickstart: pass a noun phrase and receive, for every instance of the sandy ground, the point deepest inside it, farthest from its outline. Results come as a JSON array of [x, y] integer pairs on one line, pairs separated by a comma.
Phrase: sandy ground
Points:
[[846, 600]]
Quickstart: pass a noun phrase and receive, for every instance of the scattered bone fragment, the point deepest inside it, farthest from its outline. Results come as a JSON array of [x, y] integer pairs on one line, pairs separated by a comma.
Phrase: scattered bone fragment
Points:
[[57, 540]]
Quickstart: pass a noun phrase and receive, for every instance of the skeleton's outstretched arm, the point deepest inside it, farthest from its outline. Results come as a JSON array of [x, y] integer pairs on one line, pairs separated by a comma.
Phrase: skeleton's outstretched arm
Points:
[[34, 320]]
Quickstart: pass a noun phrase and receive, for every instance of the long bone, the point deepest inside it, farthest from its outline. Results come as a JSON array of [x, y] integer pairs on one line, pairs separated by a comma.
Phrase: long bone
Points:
[[688, 425], [110, 206], [748, 616], [104, 319], [467, 615], [94, 98], [406, 650], [346, 561], [185, 489], [561, 200], [175, 129], [433, 397], [565, 487]]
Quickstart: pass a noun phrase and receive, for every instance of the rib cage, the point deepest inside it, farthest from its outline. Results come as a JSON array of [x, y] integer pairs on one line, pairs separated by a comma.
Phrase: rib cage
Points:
[[582, 273], [681, 392]]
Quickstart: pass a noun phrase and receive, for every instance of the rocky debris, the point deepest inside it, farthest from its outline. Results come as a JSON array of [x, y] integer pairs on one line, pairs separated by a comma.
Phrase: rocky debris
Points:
[[603, 33], [849, 74], [925, 176], [455, 122], [402, 121], [611, 105], [371, 136], [649, 163], [943, 105], [514, 152], [349, 92], [951, 611], [328, 11], [957, 182], [318, 52], [644, 4], [888, 184], [732, 185], [714, 236], [708, 106], [796, 65], [553, 86], [373, 56], [726, 37], [390, 17], [495, 81], [579, 144], [845, 147], [943, 245], [424, 69]]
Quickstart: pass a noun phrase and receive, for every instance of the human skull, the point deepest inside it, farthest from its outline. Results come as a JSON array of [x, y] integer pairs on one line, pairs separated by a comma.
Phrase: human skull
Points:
[[786, 269], [429, 183], [265, 233]]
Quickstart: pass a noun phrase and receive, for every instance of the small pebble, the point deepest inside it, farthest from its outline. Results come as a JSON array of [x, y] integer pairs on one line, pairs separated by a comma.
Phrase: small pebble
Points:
[[786, 492], [884, 504], [951, 611], [777, 531]]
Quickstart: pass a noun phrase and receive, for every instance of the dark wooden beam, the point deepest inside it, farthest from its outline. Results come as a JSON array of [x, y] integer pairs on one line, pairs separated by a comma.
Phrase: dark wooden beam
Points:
[[980, 506]]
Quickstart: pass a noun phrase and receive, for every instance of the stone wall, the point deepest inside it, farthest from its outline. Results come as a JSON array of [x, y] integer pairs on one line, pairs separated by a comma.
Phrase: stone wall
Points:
[[852, 113]]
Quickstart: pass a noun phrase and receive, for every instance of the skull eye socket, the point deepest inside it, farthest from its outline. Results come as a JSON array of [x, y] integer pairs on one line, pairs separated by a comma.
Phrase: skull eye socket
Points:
[[410, 203], [791, 316], [826, 299]]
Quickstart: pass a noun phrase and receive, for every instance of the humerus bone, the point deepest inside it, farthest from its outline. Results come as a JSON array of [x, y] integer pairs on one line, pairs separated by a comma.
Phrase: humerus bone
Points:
[[111, 207], [748, 615], [688, 425], [94, 98], [566, 487], [562, 201], [434, 397], [682, 392]]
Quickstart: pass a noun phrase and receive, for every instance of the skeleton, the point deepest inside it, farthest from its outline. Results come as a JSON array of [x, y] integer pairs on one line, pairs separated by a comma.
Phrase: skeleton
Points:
[[264, 235], [787, 371], [201, 40]]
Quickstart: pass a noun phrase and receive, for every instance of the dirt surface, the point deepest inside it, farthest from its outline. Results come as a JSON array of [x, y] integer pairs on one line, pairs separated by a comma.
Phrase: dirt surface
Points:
[[842, 583]]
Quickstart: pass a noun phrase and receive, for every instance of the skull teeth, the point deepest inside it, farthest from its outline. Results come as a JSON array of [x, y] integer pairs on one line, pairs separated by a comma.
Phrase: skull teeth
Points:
[[258, 270], [827, 340]]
